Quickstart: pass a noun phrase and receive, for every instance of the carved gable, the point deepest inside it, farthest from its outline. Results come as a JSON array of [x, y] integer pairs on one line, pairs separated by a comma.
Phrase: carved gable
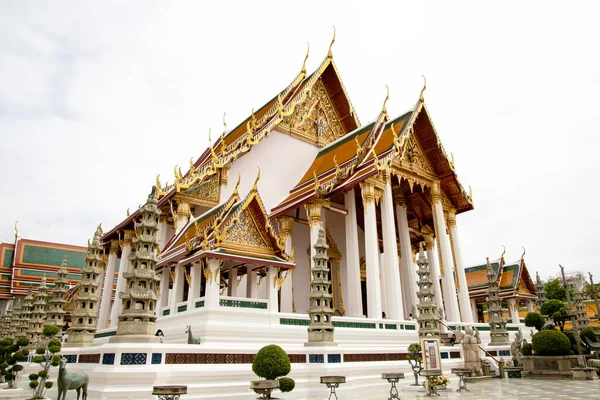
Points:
[[204, 193], [413, 154], [315, 119], [248, 234]]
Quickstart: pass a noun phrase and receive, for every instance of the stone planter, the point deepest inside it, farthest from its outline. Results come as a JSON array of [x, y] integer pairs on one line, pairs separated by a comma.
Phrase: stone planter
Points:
[[549, 366], [264, 387], [588, 374]]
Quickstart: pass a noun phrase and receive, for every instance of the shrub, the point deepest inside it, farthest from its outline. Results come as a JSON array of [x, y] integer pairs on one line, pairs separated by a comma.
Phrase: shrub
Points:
[[286, 384], [551, 343], [557, 310], [589, 334], [47, 356], [271, 362], [535, 320], [527, 349]]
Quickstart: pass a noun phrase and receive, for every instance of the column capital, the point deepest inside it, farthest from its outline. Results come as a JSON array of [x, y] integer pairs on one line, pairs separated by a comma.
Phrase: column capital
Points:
[[429, 241], [313, 211], [370, 193], [285, 225], [398, 196], [183, 209], [436, 192], [128, 234], [163, 217], [452, 218], [114, 246]]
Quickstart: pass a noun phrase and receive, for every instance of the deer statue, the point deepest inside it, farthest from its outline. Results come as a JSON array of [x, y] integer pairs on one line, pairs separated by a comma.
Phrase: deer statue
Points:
[[191, 338], [67, 381]]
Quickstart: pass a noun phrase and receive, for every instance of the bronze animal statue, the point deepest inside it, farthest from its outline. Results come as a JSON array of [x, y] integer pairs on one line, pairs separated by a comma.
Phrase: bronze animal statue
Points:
[[191, 339], [67, 381]]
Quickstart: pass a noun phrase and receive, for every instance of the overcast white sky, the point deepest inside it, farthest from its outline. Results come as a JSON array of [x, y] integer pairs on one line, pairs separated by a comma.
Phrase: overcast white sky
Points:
[[97, 98]]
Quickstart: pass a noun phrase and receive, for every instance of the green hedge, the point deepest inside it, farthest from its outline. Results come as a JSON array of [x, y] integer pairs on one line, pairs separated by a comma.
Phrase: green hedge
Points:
[[551, 343]]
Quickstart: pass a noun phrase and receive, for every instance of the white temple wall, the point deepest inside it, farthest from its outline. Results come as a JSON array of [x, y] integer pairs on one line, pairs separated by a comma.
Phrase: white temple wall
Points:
[[283, 161], [301, 243]]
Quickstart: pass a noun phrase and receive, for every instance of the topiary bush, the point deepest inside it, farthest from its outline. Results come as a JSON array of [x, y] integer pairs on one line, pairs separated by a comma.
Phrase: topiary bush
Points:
[[551, 343], [47, 357], [535, 320], [527, 349], [10, 354], [271, 362], [286, 384]]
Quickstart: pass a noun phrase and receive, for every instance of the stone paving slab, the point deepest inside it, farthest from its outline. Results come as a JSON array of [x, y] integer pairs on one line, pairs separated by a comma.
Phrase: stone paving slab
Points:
[[495, 389]]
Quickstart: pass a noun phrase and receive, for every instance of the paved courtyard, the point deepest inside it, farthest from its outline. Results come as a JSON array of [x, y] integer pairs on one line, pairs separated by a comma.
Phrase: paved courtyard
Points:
[[504, 389]]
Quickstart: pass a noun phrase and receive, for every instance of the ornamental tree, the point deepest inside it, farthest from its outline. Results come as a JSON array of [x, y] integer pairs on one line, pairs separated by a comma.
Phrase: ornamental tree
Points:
[[415, 360], [45, 356], [10, 354], [272, 362], [535, 320], [557, 311]]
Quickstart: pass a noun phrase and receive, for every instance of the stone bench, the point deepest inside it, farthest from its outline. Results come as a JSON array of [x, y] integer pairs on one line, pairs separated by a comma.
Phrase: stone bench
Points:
[[393, 378]]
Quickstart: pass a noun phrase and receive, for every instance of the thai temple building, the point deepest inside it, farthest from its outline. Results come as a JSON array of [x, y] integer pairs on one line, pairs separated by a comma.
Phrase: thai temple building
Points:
[[515, 286], [231, 248]]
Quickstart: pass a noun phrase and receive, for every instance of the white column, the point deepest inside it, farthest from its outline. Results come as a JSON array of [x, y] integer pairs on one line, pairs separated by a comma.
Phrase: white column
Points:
[[354, 299], [271, 282], [513, 307], [177, 292], [408, 274], [123, 267], [183, 215], [474, 310], [315, 218], [446, 264], [530, 306], [211, 294], [287, 292], [232, 282], [161, 234], [369, 195], [105, 305], [165, 280], [466, 314], [251, 289], [435, 270], [393, 291], [195, 283]]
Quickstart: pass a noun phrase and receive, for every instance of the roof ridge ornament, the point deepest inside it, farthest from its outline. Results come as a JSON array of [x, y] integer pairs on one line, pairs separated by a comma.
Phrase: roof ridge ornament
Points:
[[387, 96], [523, 255], [329, 53], [237, 185], [255, 186], [224, 123], [16, 229], [421, 98], [303, 71]]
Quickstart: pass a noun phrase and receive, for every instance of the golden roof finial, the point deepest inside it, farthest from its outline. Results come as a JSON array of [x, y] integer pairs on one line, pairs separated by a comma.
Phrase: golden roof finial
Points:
[[192, 166], [255, 187], [128, 213], [305, 58], [503, 252], [224, 123], [452, 161], [253, 119], [470, 192], [523, 255], [209, 139], [16, 229], [394, 133], [359, 149], [387, 96], [421, 99], [237, 185], [329, 53], [177, 173]]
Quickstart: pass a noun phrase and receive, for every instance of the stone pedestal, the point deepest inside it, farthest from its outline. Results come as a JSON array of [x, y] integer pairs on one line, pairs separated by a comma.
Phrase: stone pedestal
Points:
[[80, 339], [588, 374], [549, 366]]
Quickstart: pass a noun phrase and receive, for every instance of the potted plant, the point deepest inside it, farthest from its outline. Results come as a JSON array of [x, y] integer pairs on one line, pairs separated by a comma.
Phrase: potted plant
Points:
[[415, 360], [272, 363]]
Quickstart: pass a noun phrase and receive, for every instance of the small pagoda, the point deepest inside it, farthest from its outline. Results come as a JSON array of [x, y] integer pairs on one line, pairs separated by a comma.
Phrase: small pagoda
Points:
[[137, 322], [56, 312], [428, 318], [38, 314], [541, 294], [84, 317], [496, 319], [320, 329], [5, 323], [581, 318], [25, 320], [15, 319]]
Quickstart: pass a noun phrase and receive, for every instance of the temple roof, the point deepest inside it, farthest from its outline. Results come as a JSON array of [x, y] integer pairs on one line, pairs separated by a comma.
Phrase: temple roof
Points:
[[281, 111], [514, 279], [237, 230], [33, 260], [409, 141]]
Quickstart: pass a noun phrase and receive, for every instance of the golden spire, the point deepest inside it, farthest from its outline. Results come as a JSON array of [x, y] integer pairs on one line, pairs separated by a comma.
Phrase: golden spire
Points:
[[305, 58], [503, 252], [16, 229], [470, 192], [237, 185], [421, 99], [387, 96], [329, 53], [209, 139], [523, 255], [128, 213], [255, 187]]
